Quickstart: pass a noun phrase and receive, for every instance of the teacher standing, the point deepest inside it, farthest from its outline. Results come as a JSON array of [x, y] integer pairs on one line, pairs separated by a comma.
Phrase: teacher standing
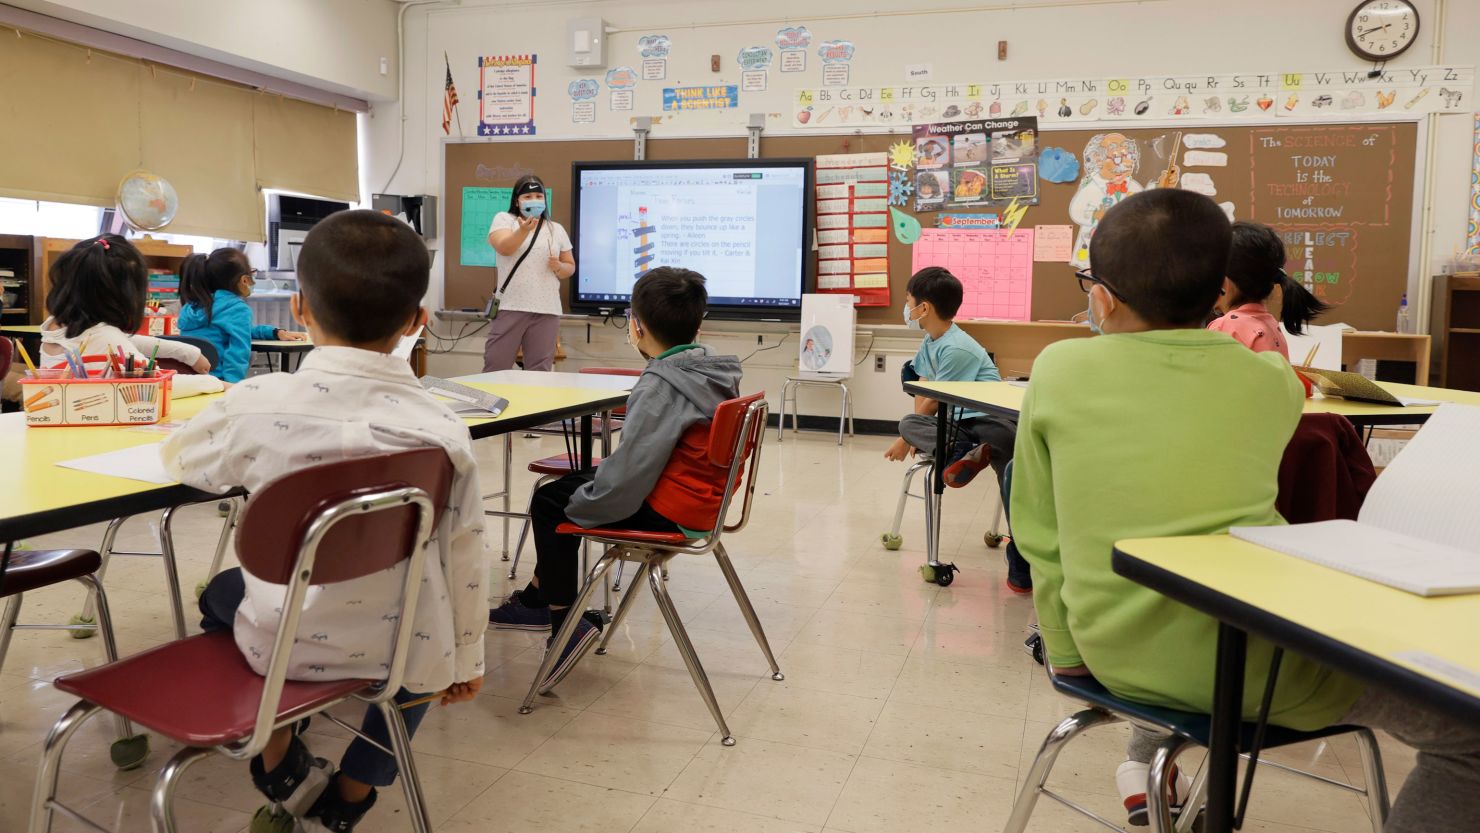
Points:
[[534, 258]]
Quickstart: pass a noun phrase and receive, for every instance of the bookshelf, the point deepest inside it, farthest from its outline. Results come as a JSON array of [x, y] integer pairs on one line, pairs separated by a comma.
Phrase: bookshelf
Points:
[[22, 304], [157, 255], [1456, 330]]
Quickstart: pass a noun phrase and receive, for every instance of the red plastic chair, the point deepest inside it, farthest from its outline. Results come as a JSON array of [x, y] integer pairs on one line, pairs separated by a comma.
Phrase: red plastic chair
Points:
[[735, 438], [321, 525], [7, 355]]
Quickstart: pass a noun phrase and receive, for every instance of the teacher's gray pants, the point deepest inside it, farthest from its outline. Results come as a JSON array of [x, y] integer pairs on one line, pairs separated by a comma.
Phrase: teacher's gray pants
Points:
[[536, 332], [1442, 792]]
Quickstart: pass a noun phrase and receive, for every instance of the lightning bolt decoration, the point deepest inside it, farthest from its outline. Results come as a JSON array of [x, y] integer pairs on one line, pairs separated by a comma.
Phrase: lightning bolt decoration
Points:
[[1012, 215]]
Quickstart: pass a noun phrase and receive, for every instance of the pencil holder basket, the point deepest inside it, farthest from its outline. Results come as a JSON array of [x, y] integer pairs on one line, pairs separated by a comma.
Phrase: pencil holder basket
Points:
[[56, 398]]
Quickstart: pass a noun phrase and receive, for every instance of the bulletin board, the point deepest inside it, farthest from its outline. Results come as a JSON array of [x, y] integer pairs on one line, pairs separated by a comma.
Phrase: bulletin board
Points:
[[1341, 194]]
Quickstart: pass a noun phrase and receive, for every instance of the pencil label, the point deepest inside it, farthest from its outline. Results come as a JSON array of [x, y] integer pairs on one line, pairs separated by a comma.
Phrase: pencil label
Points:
[[43, 404]]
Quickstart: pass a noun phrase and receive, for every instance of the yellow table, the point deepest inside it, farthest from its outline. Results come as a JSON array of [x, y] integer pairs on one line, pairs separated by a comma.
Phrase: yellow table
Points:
[[20, 330], [282, 349], [1007, 398], [1422, 647]]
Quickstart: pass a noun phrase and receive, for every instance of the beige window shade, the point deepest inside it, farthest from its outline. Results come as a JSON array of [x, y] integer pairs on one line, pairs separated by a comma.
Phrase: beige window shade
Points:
[[74, 122], [69, 122], [196, 138], [306, 148]]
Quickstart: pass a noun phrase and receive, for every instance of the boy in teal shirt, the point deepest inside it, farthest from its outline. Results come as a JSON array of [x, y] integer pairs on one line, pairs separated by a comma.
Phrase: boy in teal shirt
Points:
[[931, 300], [1157, 428]]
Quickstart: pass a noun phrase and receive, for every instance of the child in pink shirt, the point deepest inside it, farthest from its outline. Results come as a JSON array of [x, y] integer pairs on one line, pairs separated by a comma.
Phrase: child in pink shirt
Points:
[[1256, 268]]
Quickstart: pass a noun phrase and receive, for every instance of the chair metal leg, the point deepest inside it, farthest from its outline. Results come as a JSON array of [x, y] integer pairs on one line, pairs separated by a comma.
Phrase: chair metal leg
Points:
[[171, 572], [690, 656], [559, 640], [105, 550], [781, 414], [8, 619], [932, 517], [110, 643], [747, 609], [625, 604], [508, 489], [162, 799], [233, 506], [842, 411], [416, 804], [904, 495], [1196, 798], [1159, 783], [45, 793], [1048, 753], [617, 582], [1376, 778]]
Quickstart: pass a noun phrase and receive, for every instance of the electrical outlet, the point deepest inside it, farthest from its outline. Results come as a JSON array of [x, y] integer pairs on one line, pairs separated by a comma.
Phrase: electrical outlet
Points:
[[878, 364], [760, 339]]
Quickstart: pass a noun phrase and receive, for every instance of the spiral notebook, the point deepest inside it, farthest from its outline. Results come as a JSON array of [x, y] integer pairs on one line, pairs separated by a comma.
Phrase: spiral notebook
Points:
[[1419, 530]]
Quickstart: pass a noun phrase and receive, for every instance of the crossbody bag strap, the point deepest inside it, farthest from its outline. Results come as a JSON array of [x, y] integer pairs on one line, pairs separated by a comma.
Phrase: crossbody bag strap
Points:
[[533, 239]]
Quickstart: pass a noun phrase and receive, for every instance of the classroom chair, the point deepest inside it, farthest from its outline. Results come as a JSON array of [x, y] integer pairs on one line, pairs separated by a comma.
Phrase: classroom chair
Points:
[[892, 540], [793, 386], [1187, 729], [735, 438], [206, 348], [320, 525], [34, 569]]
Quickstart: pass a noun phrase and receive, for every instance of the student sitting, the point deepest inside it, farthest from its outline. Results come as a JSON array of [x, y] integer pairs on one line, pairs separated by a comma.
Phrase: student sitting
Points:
[[211, 308], [948, 354], [1113, 443], [1256, 268], [362, 277], [98, 290], [658, 479]]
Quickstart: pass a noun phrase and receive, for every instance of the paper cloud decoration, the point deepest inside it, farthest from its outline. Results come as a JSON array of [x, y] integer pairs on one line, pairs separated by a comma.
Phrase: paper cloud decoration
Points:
[[835, 51], [583, 89], [794, 37], [654, 46], [1058, 165], [621, 78]]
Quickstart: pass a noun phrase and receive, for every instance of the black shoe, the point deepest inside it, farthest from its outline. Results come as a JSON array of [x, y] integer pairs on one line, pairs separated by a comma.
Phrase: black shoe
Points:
[[332, 814], [296, 782]]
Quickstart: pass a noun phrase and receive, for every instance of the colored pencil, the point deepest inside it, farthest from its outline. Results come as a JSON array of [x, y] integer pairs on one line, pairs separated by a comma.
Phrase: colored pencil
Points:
[[26, 357], [418, 701], [152, 357]]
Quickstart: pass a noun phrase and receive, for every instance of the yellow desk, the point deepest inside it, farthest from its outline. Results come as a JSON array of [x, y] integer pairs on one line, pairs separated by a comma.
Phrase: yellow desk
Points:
[[282, 349], [1007, 398], [1422, 647], [20, 330]]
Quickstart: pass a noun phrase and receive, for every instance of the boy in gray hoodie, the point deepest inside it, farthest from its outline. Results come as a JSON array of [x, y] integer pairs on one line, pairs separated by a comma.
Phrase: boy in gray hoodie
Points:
[[659, 479]]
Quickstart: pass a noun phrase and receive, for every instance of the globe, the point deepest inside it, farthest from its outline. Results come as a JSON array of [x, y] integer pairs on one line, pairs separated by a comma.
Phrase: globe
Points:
[[148, 202]]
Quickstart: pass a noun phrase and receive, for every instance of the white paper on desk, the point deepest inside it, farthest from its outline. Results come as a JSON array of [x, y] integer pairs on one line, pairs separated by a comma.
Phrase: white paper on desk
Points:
[[1326, 341], [1410, 402], [141, 462], [1428, 490]]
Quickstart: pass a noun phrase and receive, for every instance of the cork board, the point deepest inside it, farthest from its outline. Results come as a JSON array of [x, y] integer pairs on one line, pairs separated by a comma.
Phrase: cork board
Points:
[[1342, 195]]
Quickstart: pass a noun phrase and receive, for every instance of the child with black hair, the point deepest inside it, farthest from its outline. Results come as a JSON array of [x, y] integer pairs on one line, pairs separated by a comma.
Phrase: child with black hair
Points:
[[97, 295], [1256, 268], [1113, 443], [361, 276], [947, 354], [212, 289], [659, 479]]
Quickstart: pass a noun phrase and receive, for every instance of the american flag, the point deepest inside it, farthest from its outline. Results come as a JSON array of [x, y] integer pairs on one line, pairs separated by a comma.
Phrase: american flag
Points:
[[449, 100]]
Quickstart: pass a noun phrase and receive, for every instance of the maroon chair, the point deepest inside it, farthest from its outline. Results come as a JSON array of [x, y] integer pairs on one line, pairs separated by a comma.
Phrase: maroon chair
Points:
[[735, 437], [321, 525], [7, 355]]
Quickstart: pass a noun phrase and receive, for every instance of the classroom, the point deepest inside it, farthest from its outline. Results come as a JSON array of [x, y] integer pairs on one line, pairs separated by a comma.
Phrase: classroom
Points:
[[564, 415]]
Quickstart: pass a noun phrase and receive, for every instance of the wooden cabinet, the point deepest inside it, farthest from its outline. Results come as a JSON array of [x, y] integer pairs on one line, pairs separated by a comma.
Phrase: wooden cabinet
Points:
[[157, 255], [22, 300], [1456, 329]]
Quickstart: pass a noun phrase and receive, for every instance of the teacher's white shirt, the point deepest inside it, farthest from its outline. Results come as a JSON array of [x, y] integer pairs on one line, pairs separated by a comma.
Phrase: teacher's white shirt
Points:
[[535, 287]]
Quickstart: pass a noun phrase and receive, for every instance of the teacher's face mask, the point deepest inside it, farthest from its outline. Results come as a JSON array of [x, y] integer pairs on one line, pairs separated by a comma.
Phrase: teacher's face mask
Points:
[[532, 208]]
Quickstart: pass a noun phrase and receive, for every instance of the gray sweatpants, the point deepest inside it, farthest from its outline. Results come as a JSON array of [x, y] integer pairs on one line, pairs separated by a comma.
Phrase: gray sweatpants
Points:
[[1443, 791], [998, 433], [536, 332]]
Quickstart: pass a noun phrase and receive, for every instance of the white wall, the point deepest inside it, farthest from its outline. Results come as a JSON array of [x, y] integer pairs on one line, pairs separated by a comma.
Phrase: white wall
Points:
[[334, 45]]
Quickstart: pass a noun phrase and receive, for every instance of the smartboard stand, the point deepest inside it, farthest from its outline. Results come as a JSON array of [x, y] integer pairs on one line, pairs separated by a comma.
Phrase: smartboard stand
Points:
[[641, 126], [753, 144]]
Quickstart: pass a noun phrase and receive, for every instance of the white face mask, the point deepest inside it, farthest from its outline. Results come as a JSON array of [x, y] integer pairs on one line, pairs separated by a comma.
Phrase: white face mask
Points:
[[912, 323], [633, 343]]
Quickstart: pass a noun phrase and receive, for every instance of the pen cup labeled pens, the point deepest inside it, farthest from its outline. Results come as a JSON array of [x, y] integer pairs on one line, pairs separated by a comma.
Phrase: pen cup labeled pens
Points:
[[68, 401]]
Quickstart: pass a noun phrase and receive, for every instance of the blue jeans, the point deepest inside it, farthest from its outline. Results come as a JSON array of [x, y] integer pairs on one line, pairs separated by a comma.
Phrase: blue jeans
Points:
[[361, 761]]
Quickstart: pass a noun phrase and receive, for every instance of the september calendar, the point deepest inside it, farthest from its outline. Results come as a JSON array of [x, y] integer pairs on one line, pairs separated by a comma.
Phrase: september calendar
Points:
[[995, 267]]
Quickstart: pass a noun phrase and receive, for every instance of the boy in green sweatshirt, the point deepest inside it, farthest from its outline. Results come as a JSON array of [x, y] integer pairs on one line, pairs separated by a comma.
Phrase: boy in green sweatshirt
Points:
[[1158, 428]]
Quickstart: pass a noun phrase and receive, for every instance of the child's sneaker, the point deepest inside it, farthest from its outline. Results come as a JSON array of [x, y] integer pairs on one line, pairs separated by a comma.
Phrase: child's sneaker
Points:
[[1019, 574], [512, 615], [1130, 781], [586, 633], [296, 782], [970, 464], [332, 814]]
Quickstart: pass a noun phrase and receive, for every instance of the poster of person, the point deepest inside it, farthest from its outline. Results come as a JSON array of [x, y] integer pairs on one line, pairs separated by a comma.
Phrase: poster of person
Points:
[[1111, 161], [930, 190], [990, 162]]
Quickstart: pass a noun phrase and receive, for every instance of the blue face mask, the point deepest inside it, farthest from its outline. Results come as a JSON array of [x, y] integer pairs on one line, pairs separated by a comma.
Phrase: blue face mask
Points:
[[532, 208], [1094, 326]]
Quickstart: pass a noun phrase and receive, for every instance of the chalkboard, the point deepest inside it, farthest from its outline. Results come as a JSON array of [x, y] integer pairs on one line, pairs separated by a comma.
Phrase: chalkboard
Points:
[[1340, 194]]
